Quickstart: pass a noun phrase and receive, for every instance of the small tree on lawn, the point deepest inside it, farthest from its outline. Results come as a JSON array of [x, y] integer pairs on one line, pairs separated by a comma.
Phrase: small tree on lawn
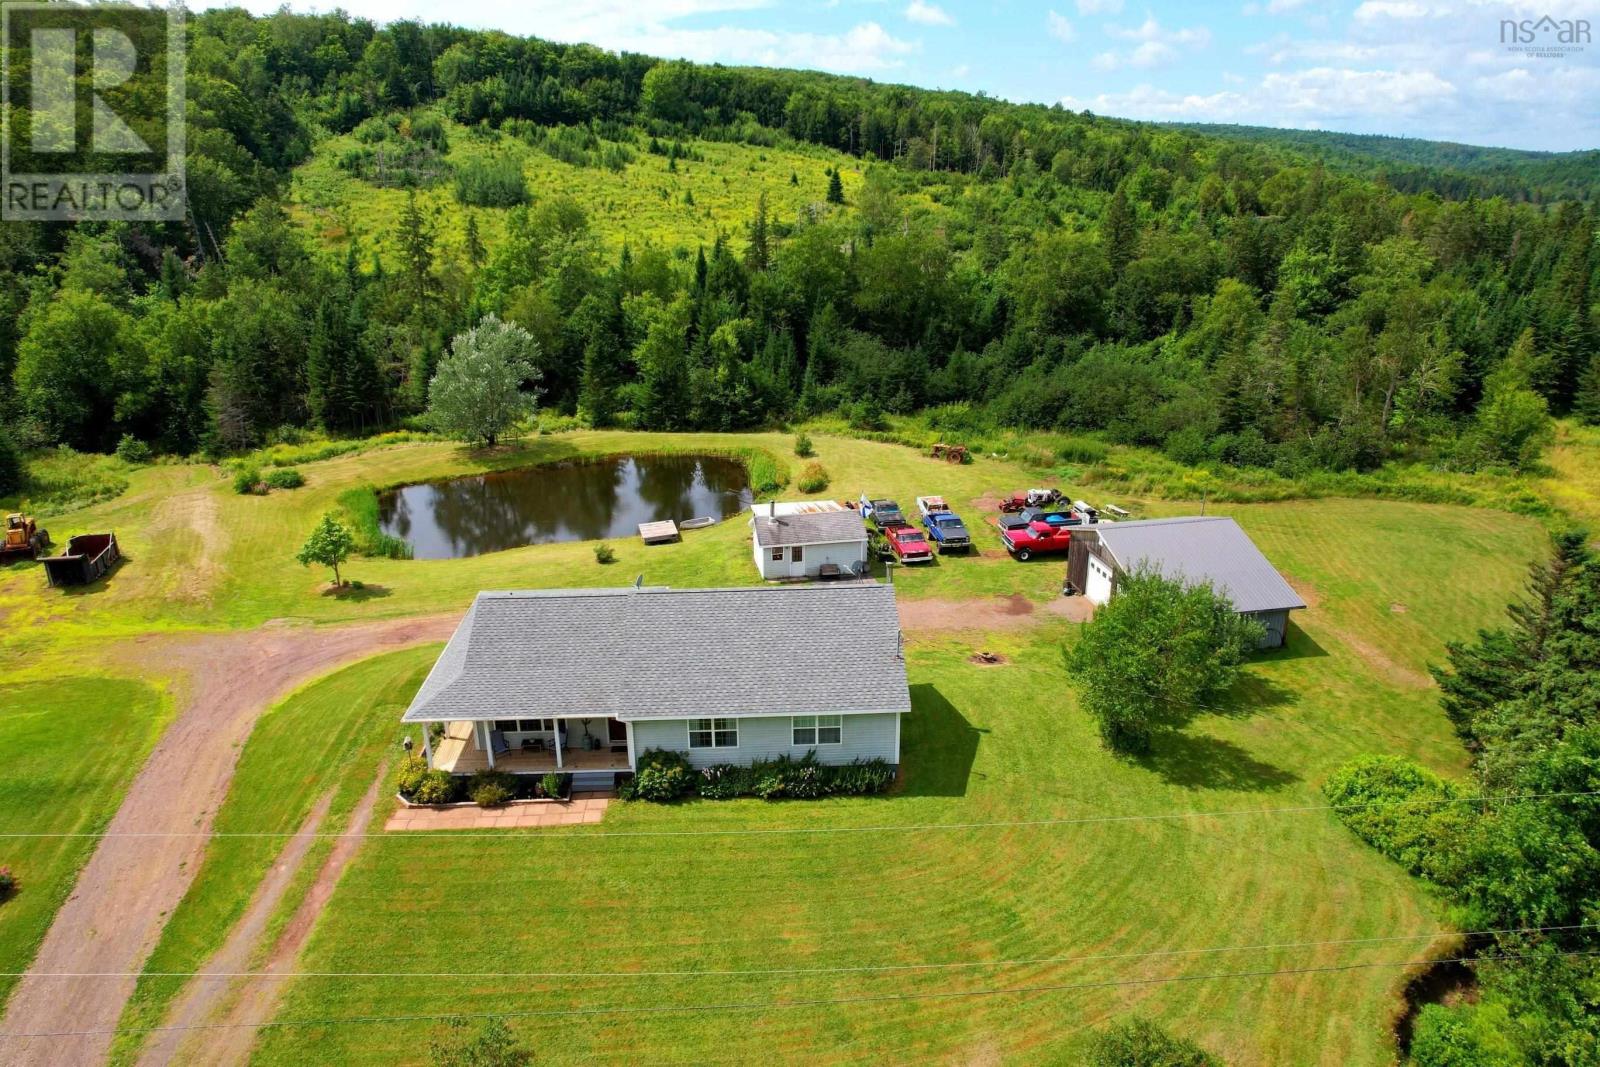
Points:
[[330, 544], [493, 1046], [1138, 1042], [476, 392], [1153, 653]]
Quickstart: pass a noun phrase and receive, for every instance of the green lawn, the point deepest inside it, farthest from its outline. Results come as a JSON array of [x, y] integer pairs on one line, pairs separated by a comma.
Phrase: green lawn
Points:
[[331, 735], [984, 744], [71, 747]]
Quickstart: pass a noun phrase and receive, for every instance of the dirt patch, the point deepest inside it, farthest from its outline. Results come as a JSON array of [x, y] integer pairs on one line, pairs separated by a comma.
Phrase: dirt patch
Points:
[[1380, 662], [255, 1000], [1307, 591], [988, 659], [935, 615], [1397, 608], [123, 895], [193, 514], [200, 997]]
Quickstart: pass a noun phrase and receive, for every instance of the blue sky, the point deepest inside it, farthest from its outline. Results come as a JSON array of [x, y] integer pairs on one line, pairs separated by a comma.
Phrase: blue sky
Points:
[[1421, 68]]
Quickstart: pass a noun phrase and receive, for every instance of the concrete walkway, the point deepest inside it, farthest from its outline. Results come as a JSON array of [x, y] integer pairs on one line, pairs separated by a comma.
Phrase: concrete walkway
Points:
[[581, 809]]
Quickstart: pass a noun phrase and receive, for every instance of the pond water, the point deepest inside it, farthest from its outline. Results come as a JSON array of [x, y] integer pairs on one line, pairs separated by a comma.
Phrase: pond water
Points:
[[564, 502]]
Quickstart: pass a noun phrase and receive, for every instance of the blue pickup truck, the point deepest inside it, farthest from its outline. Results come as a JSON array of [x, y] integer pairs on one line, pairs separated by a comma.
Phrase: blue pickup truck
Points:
[[944, 526]]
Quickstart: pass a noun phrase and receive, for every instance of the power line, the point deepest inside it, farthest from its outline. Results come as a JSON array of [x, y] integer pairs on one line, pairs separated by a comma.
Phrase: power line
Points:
[[783, 1005], [803, 971], [1084, 820]]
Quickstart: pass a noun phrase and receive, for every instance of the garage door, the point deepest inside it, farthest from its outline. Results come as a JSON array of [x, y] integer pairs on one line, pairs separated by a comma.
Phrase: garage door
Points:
[[1098, 586]]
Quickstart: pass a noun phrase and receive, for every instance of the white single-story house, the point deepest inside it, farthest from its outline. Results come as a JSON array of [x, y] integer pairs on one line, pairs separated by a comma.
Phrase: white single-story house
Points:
[[586, 680], [1199, 548], [808, 539]]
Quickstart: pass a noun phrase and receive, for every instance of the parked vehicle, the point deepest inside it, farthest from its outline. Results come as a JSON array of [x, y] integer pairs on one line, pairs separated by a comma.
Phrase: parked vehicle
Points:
[[1090, 515], [1036, 538], [882, 513], [24, 539], [87, 558], [944, 526], [1013, 503], [908, 544], [1039, 498], [1028, 515]]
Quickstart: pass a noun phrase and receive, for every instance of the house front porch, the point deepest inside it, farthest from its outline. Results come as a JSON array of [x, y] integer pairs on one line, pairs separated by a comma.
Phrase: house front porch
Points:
[[532, 746]]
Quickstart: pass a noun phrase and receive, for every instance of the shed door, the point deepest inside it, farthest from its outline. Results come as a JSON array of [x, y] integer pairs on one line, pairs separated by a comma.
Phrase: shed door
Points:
[[797, 561], [1098, 588]]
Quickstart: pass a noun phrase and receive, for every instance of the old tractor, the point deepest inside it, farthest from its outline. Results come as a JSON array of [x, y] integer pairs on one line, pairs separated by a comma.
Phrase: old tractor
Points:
[[24, 539]]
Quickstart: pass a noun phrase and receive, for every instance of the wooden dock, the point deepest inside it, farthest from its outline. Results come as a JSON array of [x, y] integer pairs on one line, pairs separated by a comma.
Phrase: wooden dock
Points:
[[658, 533]]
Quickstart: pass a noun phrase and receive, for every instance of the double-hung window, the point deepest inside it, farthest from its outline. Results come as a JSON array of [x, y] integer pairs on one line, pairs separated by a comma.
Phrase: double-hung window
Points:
[[818, 729], [713, 733]]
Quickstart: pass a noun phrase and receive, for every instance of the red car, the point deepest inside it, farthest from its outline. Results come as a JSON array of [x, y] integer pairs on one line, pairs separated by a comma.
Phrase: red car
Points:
[[908, 544], [1036, 538]]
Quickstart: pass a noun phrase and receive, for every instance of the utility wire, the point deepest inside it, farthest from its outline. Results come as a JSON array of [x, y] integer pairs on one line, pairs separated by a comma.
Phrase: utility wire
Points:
[[781, 1005], [1084, 820], [886, 968]]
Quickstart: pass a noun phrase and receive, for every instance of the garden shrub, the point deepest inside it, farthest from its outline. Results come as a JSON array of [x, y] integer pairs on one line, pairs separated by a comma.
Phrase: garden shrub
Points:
[[410, 776], [285, 478], [490, 789], [8, 884], [663, 777], [803, 447], [786, 778], [813, 478], [604, 553], [1393, 805], [1138, 1042], [247, 480], [132, 450], [553, 785], [436, 787]]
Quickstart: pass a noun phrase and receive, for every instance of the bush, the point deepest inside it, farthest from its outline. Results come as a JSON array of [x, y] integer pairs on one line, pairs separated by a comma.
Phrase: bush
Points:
[[436, 787], [1081, 450], [490, 789], [247, 480], [285, 478], [8, 884], [1138, 1042], [663, 777], [1394, 805], [786, 778], [813, 478], [410, 776], [803, 447], [604, 553], [494, 182], [132, 450], [553, 785]]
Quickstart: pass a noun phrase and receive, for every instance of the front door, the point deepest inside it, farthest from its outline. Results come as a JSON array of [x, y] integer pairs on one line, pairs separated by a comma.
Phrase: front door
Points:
[[797, 561], [617, 734]]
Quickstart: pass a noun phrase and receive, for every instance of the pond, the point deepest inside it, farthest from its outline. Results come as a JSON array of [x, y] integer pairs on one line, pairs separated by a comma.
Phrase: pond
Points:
[[584, 501]]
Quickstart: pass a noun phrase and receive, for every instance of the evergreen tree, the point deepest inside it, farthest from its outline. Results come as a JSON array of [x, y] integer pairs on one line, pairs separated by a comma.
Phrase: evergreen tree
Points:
[[1119, 230], [835, 187], [758, 256], [477, 254]]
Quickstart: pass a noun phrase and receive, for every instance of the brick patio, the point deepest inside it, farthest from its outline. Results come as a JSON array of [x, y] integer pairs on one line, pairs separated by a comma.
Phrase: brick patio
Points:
[[583, 808]]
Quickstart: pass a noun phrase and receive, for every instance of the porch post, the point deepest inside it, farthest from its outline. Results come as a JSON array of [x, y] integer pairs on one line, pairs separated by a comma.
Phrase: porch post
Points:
[[488, 744], [427, 746], [629, 727], [556, 734]]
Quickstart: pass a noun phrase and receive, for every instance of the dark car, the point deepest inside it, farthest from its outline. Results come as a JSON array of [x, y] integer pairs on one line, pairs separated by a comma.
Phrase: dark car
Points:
[[1023, 518]]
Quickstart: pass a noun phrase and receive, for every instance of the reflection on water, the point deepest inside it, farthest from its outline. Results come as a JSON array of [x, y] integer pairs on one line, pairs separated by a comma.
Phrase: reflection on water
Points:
[[566, 502]]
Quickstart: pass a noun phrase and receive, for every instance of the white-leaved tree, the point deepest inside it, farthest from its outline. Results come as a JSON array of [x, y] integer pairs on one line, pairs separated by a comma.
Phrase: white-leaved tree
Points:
[[478, 391]]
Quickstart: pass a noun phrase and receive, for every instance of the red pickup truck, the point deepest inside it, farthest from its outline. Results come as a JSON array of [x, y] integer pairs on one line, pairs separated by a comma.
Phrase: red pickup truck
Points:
[[1036, 538], [908, 544]]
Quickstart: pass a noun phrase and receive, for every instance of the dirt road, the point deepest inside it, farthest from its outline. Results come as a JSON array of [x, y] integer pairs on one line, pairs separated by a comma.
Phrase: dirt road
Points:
[[123, 896]]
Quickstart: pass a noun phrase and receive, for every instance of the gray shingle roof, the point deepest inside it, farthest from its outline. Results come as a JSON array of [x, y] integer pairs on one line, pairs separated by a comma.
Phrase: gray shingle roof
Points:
[[671, 653], [1202, 548], [819, 528]]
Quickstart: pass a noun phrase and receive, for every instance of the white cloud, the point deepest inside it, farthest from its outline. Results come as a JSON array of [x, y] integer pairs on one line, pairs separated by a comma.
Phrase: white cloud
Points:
[[1299, 98], [928, 14], [1156, 45], [960, 70], [1372, 10], [1059, 28], [1099, 7]]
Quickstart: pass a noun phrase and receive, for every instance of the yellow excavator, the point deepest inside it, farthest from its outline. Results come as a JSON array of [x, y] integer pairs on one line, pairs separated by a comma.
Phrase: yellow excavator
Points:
[[24, 539]]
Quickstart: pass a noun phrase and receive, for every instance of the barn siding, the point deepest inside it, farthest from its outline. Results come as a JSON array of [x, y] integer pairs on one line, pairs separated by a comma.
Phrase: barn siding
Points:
[[1277, 624], [768, 737]]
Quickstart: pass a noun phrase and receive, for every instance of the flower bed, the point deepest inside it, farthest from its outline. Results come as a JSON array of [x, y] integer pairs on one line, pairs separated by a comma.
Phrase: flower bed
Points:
[[665, 776], [419, 787]]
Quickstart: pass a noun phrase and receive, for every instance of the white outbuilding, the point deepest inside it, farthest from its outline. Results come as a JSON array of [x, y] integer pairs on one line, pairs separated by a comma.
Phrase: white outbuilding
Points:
[[809, 539]]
